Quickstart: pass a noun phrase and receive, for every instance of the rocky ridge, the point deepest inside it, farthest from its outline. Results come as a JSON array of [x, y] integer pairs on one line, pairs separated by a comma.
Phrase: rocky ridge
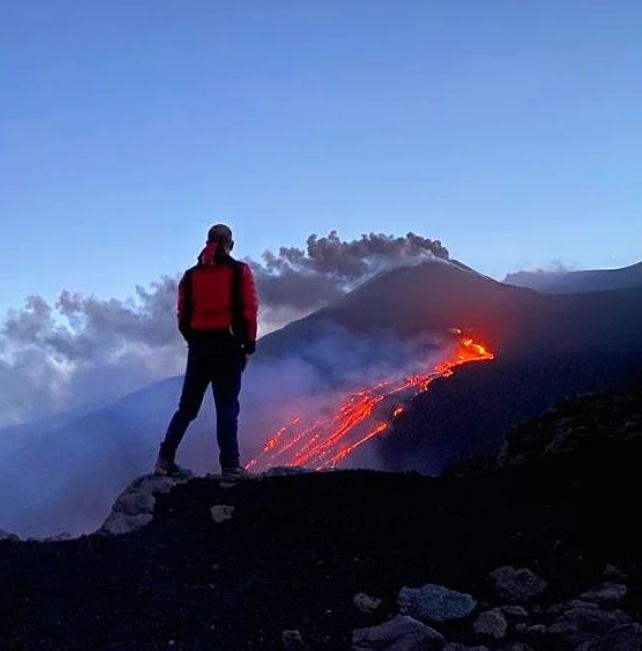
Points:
[[572, 425]]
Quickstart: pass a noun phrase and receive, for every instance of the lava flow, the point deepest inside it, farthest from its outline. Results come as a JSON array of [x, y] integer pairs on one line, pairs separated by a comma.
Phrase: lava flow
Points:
[[365, 414]]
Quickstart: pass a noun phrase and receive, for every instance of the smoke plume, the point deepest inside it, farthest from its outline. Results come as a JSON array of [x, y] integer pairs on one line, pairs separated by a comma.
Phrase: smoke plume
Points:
[[328, 267]]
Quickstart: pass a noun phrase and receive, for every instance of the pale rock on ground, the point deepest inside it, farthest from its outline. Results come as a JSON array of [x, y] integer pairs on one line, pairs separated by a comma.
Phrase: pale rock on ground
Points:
[[221, 513], [434, 603], [365, 603], [134, 507]]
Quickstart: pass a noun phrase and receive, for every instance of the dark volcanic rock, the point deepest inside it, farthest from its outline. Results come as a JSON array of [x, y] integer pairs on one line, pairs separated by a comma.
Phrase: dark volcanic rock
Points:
[[402, 633], [434, 603], [517, 586], [622, 638], [605, 593], [491, 623], [582, 624], [573, 425], [514, 613]]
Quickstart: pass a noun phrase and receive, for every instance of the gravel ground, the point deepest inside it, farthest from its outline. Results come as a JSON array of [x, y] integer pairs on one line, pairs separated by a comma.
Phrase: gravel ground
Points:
[[298, 548]]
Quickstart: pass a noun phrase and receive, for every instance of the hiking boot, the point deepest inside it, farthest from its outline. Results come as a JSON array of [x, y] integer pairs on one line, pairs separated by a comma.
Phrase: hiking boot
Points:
[[166, 468], [237, 472]]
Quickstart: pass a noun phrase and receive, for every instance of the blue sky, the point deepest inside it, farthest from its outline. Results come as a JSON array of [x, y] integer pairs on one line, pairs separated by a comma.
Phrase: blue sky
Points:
[[511, 130]]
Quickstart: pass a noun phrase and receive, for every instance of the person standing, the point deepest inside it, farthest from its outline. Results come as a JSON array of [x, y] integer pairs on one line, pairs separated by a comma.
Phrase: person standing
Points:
[[217, 316]]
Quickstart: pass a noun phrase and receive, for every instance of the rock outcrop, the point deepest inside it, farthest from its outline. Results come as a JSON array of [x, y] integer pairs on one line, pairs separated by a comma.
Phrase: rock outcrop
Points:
[[570, 426], [134, 507], [573, 425]]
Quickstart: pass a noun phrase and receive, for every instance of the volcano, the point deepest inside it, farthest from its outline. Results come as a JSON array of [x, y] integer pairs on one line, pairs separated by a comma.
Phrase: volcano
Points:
[[545, 347], [515, 322]]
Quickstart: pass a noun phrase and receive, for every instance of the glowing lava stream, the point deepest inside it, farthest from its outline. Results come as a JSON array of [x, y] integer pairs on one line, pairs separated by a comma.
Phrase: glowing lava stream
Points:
[[326, 442]]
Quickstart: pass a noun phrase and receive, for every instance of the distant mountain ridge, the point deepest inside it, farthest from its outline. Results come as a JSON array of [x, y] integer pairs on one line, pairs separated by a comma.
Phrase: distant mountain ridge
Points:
[[553, 282]]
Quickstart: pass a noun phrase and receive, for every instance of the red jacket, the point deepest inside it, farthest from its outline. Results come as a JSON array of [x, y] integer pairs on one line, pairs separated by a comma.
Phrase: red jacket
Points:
[[219, 293]]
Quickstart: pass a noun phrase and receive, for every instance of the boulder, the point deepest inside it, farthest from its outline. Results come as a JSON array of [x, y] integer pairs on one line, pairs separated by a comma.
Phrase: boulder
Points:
[[434, 603], [517, 585], [366, 604], [401, 633], [134, 508], [627, 637], [491, 623], [455, 646], [605, 593], [583, 622], [222, 513]]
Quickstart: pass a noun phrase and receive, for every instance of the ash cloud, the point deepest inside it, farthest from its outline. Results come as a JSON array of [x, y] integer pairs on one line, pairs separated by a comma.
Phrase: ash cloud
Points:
[[83, 350], [303, 279]]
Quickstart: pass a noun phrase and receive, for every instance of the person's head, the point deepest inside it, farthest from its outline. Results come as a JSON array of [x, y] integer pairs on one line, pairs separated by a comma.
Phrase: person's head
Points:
[[222, 235]]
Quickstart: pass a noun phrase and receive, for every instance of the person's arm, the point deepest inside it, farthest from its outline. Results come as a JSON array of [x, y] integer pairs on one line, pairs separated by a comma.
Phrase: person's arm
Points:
[[184, 307], [250, 309]]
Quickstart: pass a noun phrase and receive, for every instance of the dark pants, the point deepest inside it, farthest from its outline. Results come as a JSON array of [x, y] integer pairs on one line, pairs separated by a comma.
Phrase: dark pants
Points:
[[217, 359]]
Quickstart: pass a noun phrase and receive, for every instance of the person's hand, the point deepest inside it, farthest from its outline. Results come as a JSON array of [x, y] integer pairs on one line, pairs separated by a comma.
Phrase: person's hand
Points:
[[245, 362]]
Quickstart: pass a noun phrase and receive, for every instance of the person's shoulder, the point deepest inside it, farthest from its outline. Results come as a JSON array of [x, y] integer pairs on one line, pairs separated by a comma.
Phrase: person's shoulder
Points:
[[190, 271], [241, 265]]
